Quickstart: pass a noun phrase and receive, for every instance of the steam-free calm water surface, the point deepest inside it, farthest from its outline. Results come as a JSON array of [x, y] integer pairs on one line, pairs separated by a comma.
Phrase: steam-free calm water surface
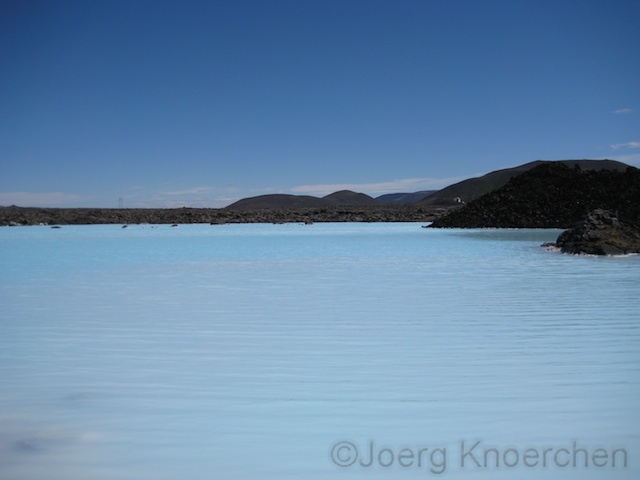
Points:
[[347, 351]]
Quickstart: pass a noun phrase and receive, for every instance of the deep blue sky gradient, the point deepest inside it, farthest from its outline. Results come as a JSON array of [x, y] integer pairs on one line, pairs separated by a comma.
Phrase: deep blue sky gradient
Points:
[[171, 103]]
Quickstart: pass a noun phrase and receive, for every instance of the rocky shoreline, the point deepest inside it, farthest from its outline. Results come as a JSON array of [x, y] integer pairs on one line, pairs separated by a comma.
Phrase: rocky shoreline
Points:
[[600, 233], [551, 196], [22, 216], [601, 207]]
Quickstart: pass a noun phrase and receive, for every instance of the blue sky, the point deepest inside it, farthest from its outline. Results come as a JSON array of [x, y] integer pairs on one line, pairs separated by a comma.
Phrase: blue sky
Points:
[[189, 103]]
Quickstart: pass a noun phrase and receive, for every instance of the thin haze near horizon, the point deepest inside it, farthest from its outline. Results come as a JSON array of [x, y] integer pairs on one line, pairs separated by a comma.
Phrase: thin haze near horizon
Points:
[[190, 103]]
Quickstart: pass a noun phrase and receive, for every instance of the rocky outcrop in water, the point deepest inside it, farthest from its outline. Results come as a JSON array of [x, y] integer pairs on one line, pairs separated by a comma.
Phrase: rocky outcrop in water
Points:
[[601, 233]]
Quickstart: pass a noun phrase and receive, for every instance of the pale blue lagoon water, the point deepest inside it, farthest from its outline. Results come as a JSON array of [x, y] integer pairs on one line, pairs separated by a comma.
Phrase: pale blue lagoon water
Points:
[[252, 351]]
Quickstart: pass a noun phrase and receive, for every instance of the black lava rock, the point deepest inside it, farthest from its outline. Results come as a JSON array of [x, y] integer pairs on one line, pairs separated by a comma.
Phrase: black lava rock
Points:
[[552, 195], [601, 233]]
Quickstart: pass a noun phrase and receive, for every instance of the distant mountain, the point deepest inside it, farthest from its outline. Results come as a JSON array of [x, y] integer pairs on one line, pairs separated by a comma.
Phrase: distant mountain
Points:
[[552, 195], [459, 193], [347, 197], [277, 200], [286, 201], [396, 198], [468, 190]]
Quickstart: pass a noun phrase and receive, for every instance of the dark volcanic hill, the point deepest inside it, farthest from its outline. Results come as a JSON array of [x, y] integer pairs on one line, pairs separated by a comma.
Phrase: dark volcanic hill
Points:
[[473, 188], [347, 197], [396, 198], [276, 201], [552, 195], [285, 201]]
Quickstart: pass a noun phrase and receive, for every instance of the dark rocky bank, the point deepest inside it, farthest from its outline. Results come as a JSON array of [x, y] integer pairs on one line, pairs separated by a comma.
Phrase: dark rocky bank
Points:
[[551, 195], [600, 233], [13, 216], [601, 207]]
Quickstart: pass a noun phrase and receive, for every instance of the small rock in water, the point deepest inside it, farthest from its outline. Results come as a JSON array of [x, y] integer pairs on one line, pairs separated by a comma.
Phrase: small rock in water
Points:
[[600, 233]]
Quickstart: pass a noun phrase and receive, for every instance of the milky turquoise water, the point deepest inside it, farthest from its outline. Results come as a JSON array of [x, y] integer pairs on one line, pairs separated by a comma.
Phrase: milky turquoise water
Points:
[[278, 351]]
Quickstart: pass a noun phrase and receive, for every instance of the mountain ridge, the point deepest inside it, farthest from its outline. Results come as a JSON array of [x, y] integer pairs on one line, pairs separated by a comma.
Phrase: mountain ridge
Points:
[[344, 205], [340, 198], [473, 188], [405, 197], [456, 194]]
